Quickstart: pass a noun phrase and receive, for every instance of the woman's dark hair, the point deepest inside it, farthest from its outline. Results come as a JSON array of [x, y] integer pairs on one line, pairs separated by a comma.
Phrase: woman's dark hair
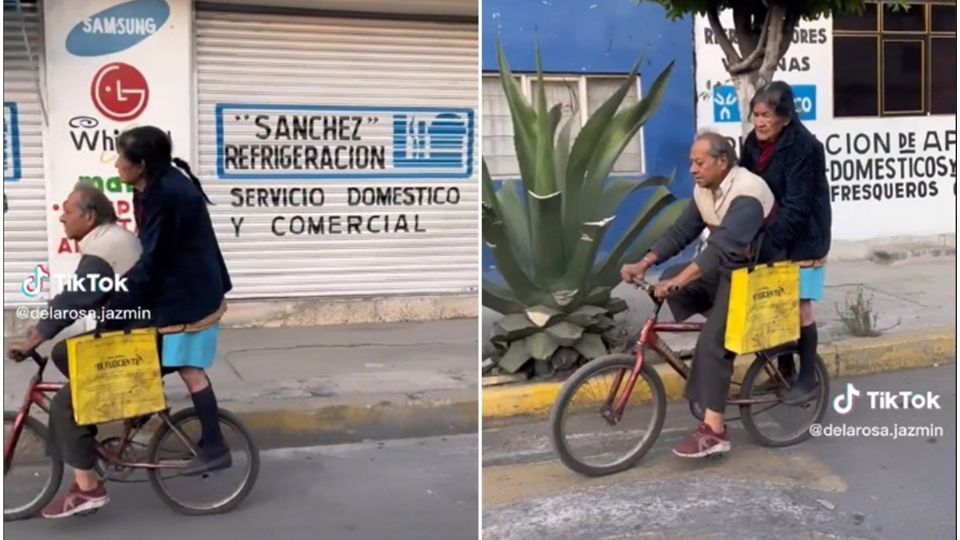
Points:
[[778, 96], [151, 146]]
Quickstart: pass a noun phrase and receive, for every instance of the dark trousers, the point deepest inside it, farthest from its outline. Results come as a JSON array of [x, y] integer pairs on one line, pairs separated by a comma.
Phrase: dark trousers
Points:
[[72, 444], [712, 367], [69, 442]]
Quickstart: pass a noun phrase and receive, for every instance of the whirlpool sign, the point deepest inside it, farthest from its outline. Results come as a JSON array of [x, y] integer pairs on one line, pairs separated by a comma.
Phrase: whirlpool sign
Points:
[[117, 28]]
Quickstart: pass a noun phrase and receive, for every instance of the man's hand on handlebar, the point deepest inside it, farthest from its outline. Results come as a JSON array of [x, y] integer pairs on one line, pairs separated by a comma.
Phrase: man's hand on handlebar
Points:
[[21, 350], [634, 273], [665, 288]]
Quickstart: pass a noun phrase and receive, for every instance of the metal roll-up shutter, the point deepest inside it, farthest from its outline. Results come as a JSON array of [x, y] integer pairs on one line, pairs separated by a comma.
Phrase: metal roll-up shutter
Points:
[[347, 62], [25, 224]]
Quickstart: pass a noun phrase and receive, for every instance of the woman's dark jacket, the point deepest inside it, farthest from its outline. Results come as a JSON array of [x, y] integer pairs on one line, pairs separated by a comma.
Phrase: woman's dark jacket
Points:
[[796, 174], [181, 276]]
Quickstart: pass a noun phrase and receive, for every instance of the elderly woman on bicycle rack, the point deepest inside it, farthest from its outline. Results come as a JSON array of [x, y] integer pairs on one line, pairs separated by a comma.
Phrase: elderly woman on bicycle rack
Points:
[[791, 160], [734, 204]]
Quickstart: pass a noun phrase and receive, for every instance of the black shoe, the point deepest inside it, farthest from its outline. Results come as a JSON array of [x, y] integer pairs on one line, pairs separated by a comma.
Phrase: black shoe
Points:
[[801, 393], [203, 464]]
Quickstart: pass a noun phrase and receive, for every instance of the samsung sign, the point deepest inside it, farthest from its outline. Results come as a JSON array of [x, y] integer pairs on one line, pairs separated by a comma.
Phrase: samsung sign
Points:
[[117, 28]]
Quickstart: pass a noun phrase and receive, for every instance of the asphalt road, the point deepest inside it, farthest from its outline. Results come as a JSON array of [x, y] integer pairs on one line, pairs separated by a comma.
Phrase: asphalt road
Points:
[[414, 489], [865, 487]]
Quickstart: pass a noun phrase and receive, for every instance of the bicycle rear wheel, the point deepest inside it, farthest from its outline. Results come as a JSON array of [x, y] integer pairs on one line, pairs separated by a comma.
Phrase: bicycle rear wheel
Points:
[[586, 438], [211, 493], [769, 421], [32, 478]]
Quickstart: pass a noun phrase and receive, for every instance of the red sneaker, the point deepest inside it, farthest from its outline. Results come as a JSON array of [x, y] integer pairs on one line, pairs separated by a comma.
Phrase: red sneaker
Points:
[[76, 502], [702, 443]]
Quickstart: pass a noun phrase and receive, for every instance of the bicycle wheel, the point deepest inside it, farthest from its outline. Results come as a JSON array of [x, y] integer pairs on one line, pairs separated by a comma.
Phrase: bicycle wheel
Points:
[[585, 437], [770, 422], [32, 478], [211, 493]]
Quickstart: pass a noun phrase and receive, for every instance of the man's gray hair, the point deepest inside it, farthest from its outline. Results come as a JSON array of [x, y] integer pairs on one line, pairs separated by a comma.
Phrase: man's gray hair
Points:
[[93, 200], [720, 146]]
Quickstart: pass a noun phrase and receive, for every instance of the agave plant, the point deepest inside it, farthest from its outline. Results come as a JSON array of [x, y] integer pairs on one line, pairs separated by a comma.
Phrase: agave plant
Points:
[[545, 231]]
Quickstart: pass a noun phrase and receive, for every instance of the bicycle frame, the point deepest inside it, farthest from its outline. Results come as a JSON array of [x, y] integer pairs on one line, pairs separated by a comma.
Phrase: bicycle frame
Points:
[[649, 338], [37, 391], [37, 394]]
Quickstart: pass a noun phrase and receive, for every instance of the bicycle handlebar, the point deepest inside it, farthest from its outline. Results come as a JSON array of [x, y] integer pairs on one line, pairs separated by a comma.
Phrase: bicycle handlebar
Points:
[[645, 286], [35, 356], [649, 288]]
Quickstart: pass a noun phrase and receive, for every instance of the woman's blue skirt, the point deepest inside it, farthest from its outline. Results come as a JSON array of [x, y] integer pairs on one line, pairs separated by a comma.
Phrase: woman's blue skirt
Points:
[[190, 349]]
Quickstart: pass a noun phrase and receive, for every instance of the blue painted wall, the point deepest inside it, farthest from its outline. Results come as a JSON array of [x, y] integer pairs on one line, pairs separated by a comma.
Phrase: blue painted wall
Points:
[[606, 37]]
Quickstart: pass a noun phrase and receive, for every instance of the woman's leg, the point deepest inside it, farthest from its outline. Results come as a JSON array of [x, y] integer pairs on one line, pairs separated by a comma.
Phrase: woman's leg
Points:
[[205, 402], [812, 281], [805, 387], [808, 344]]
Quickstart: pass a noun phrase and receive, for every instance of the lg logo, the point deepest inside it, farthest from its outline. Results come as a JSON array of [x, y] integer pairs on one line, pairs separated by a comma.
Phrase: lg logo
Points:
[[120, 91]]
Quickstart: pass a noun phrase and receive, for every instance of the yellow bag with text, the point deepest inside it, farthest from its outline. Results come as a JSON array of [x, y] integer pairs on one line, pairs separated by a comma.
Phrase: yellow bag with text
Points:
[[115, 375], [764, 309]]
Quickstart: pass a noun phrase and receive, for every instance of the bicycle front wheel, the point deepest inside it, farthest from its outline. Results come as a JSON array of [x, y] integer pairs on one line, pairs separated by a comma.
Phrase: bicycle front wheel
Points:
[[587, 437], [210, 493], [32, 478]]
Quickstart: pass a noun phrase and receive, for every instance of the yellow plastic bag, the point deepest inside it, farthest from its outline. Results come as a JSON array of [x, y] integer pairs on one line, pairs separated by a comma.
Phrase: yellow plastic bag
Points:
[[115, 376], [764, 309]]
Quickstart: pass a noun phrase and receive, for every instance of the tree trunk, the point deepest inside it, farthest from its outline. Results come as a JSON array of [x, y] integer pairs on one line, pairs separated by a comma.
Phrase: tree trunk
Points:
[[746, 85], [754, 65]]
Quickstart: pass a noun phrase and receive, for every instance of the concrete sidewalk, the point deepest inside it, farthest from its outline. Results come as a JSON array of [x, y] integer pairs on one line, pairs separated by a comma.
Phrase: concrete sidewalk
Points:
[[914, 298], [327, 384]]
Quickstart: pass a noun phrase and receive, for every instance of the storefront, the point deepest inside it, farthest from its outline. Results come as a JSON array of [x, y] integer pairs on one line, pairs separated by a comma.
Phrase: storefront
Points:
[[313, 138], [338, 147], [25, 232]]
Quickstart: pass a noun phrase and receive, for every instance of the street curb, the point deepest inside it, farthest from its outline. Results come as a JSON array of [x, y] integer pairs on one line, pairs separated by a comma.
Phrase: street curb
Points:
[[856, 356], [296, 422], [289, 423]]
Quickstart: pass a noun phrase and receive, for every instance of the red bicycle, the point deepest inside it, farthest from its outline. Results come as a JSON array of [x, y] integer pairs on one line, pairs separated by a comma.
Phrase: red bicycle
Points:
[[610, 411], [31, 477]]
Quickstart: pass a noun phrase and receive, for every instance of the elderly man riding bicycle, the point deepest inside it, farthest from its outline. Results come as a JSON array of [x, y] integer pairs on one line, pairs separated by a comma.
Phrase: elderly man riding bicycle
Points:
[[106, 249], [734, 204]]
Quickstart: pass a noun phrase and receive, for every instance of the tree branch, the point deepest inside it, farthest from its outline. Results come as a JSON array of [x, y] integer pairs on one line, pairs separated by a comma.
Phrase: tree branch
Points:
[[776, 20], [753, 62], [714, 17], [789, 26], [743, 25]]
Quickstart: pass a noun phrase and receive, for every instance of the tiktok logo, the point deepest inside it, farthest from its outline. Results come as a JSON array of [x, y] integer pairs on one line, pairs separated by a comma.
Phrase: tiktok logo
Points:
[[36, 282], [843, 403]]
